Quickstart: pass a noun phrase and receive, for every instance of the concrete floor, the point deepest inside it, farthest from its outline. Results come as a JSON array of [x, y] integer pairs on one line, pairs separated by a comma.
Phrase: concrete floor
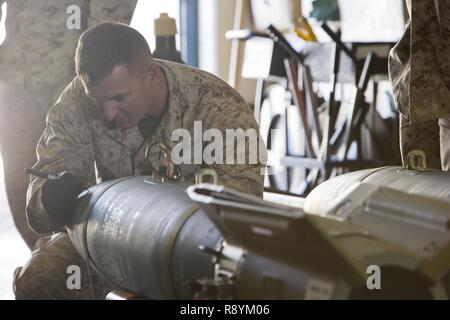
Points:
[[13, 251]]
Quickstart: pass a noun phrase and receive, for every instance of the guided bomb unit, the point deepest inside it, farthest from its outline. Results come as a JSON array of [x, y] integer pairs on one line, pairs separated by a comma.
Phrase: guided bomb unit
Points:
[[371, 234]]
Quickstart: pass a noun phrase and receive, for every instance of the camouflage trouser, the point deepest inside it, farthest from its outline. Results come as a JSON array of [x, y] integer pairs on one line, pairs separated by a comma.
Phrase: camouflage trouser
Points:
[[48, 275], [433, 137], [444, 125]]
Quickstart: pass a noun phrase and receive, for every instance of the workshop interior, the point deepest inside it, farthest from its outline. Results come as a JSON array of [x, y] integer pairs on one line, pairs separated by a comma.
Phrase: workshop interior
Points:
[[338, 110]]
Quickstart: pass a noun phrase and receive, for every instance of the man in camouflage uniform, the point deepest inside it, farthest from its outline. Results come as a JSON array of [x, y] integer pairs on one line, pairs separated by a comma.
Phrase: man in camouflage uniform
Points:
[[419, 68], [109, 115], [36, 63]]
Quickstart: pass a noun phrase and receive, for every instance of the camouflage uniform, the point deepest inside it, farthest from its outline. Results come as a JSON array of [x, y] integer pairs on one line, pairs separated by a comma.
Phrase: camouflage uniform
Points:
[[76, 136], [419, 67], [36, 63], [46, 273]]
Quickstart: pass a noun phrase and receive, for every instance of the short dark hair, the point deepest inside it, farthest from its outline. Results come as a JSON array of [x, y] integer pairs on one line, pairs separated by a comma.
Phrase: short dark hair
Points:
[[106, 45]]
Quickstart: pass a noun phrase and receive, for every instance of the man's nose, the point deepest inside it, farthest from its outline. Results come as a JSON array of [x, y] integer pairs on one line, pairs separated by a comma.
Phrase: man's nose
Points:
[[110, 110]]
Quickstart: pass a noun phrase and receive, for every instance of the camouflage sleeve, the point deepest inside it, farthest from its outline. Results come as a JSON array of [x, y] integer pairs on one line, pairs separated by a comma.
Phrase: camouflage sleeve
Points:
[[65, 145], [111, 10], [400, 71], [244, 152], [419, 64]]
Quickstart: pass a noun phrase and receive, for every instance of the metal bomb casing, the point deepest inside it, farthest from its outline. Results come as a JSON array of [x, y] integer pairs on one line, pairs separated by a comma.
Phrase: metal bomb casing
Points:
[[394, 218], [143, 236]]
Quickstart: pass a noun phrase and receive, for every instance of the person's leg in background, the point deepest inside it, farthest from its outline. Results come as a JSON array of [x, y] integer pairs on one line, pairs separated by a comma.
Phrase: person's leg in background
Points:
[[423, 136], [21, 124], [444, 125]]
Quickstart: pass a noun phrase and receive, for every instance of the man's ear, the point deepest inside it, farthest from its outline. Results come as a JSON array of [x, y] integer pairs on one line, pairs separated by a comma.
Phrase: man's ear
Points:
[[153, 72]]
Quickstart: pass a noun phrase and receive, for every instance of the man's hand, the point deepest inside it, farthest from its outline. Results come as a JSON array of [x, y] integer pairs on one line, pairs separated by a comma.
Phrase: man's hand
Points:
[[59, 197]]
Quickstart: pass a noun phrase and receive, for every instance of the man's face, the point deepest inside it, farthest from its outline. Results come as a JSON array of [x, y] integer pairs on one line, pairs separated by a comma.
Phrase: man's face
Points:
[[122, 96]]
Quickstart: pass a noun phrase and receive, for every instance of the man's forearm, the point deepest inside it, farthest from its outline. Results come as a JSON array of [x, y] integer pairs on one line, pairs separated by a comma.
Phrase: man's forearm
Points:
[[36, 215]]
